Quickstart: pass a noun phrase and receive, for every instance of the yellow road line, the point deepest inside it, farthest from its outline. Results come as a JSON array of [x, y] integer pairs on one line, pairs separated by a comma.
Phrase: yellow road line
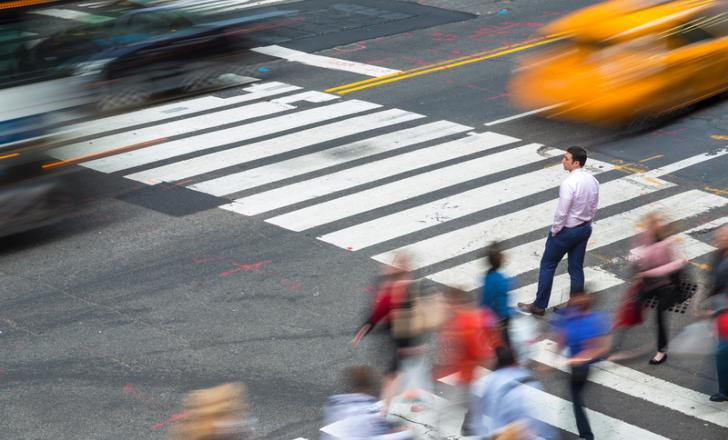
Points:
[[657, 156], [718, 191], [8, 156], [443, 65]]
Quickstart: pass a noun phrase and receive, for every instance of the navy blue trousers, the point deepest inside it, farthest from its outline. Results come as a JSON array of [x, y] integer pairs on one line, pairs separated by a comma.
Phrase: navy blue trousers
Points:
[[571, 241]]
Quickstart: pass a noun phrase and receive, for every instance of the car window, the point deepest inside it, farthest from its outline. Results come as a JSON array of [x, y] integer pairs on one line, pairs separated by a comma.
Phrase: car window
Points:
[[690, 33]]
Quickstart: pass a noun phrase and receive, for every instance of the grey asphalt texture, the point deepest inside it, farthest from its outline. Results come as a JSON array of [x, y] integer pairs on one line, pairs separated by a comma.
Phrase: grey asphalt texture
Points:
[[109, 317]]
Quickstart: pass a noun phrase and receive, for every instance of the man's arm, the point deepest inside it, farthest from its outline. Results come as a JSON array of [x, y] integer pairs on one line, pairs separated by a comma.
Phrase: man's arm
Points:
[[566, 197]]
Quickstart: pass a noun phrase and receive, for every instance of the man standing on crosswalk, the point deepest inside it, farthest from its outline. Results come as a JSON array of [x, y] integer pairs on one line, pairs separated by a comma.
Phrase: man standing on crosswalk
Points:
[[578, 198]]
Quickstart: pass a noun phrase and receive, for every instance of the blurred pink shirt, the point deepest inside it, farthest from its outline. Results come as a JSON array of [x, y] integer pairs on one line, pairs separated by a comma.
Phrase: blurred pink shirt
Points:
[[578, 199]]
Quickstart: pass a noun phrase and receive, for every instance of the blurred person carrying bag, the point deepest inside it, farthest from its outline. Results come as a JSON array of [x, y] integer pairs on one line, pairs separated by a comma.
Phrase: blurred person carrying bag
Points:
[[417, 314]]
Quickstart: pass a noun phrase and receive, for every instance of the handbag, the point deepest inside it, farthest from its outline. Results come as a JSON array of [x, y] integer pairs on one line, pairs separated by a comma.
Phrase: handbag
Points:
[[631, 311]]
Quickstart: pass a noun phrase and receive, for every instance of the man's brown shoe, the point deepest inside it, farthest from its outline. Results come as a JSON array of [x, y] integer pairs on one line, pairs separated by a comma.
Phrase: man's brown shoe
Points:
[[531, 308]]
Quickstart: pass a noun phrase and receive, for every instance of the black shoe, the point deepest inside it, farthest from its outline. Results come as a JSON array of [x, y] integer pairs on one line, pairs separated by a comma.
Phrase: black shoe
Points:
[[654, 361], [531, 308], [719, 397]]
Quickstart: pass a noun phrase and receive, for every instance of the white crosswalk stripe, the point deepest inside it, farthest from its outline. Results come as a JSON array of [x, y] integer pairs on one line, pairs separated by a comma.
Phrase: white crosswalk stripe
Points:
[[246, 153], [236, 182], [326, 162]]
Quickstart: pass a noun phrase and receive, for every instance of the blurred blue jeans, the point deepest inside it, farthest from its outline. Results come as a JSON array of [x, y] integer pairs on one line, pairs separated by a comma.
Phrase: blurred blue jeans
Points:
[[570, 241], [721, 363]]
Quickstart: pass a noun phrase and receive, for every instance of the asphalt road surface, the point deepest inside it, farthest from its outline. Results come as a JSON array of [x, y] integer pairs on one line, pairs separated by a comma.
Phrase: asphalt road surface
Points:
[[241, 242]]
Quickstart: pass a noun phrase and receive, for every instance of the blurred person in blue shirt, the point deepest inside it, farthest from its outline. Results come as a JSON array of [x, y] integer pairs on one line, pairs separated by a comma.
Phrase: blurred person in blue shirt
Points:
[[356, 414], [505, 405], [586, 335], [496, 287]]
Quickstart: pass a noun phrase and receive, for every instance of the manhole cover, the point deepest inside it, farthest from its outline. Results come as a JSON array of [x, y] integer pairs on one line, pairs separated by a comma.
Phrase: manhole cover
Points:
[[689, 288]]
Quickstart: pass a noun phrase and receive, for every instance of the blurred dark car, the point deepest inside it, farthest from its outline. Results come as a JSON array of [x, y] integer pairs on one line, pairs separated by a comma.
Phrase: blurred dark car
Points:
[[146, 52]]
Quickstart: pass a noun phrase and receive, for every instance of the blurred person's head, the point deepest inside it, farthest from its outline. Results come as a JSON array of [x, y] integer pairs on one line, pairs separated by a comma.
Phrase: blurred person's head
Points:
[[399, 268], [213, 413], [721, 238], [656, 226], [360, 379], [505, 357], [574, 158], [581, 301], [494, 255]]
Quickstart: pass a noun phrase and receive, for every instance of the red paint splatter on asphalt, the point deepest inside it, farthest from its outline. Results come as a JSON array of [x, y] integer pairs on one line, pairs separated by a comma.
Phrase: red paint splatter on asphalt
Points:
[[246, 267], [293, 285], [171, 419]]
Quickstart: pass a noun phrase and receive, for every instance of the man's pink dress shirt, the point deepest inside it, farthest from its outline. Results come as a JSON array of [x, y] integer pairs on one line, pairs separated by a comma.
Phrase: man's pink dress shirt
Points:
[[578, 199]]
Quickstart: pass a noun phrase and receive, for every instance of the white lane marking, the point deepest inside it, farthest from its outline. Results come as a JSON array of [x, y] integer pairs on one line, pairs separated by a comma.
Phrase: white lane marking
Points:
[[461, 204], [176, 109], [73, 15], [471, 238], [521, 115], [172, 128], [352, 177], [690, 161], [243, 180], [407, 188], [709, 226], [559, 412], [640, 385], [246, 6], [324, 61], [609, 230], [226, 136], [294, 141]]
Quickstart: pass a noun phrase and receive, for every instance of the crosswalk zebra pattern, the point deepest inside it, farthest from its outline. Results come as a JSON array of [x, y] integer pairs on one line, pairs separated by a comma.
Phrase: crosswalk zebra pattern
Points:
[[308, 160], [382, 181]]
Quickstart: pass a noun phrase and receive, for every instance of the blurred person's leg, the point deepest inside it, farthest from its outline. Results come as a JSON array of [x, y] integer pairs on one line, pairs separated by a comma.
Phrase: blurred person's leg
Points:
[[578, 381], [577, 252], [661, 321], [721, 363]]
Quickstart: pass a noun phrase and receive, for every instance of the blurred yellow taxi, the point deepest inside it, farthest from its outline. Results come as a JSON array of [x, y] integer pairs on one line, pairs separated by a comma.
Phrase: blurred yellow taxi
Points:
[[627, 60]]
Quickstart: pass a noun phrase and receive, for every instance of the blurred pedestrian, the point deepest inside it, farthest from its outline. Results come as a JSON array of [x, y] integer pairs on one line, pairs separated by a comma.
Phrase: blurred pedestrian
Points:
[[586, 335], [495, 289], [656, 264], [467, 341], [719, 307], [503, 402], [407, 324], [218, 413], [570, 231], [357, 410]]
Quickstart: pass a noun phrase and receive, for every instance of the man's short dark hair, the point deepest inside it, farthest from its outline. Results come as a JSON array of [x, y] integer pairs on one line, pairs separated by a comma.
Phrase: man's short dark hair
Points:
[[578, 154]]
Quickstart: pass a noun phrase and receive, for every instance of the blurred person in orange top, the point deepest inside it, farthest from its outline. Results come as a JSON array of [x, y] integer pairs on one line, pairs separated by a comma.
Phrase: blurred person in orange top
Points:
[[467, 341], [218, 413]]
